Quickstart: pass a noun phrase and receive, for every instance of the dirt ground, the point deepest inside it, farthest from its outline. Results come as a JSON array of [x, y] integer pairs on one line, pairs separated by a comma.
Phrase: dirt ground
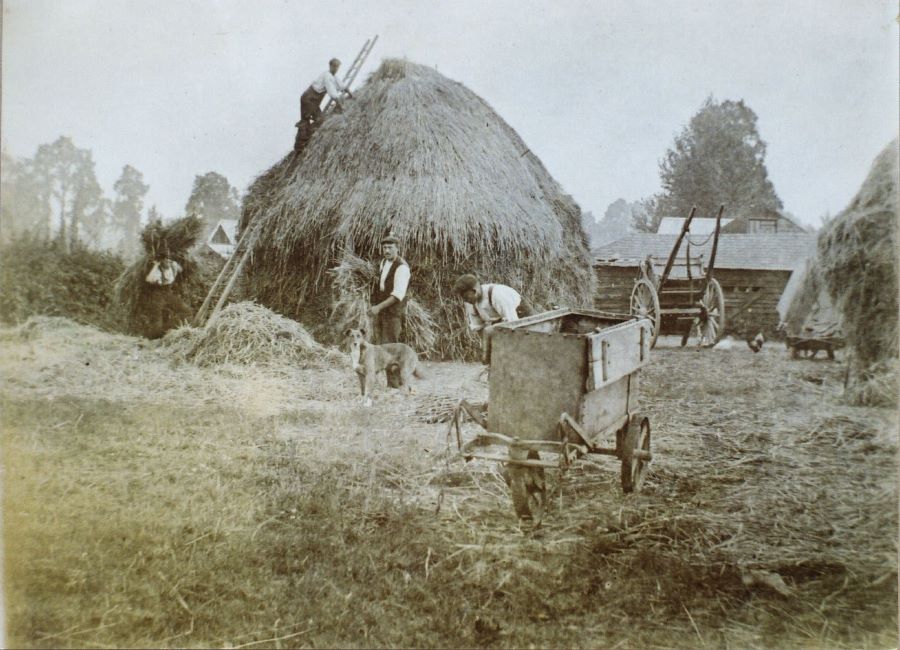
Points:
[[151, 502]]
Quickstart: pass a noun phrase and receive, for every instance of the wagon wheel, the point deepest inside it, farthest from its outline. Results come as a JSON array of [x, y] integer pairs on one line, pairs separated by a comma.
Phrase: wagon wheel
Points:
[[636, 438], [645, 304], [709, 324], [527, 486]]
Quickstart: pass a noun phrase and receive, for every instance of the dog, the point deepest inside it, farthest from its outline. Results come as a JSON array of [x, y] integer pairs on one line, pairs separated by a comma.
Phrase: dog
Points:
[[368, 360]]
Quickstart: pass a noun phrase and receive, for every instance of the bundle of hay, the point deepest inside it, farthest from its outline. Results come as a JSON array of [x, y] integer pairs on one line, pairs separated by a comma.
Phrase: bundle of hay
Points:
[[424, 157], [858, 255], [148, 310], [352, 284], [245, 333]]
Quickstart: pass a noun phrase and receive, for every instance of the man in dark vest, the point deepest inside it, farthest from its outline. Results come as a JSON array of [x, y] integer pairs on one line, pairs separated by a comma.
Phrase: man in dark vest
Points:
[[389, 296]]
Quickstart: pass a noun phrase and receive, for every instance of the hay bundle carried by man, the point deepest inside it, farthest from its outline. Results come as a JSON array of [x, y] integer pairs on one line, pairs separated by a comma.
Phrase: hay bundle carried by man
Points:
[[164, 287], [858, 257], [423, 157]]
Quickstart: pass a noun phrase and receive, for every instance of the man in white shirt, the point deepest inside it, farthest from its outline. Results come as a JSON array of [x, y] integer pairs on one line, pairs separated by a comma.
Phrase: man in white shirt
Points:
[[489, 304], [311, 101], [390, 293]]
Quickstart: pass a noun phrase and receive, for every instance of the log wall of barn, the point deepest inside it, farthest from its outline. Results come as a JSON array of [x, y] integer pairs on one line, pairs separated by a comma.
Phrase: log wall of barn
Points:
[[751, 297]]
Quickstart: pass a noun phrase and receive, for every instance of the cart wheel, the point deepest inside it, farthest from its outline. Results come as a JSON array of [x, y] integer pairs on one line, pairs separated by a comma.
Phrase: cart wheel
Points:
[[526, 484], [637, 438], [712, 326], [645, 304]]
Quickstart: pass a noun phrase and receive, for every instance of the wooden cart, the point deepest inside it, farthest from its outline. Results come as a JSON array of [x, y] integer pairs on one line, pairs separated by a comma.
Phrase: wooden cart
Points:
[[563, 382], [685, 298]]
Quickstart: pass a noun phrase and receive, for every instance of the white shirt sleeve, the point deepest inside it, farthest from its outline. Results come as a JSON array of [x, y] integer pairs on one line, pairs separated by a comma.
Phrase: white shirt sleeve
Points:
[[476, 324], [401, 282], [333, 86]]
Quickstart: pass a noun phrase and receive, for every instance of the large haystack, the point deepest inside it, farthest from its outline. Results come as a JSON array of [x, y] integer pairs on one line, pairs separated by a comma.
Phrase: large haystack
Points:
[[423, 156], [858, 254]]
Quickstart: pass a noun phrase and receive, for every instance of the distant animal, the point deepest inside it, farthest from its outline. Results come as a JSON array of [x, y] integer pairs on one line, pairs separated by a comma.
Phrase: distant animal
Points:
[[368, 360], [756, 343]]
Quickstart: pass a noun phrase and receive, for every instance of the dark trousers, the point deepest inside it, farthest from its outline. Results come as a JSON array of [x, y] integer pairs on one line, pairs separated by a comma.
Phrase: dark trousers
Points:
[[311, 105], [387, 328]]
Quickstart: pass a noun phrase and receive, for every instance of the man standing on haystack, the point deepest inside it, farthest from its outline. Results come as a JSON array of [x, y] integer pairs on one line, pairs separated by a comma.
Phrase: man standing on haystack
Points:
[[489, 304], [311, 101], [389, 296]]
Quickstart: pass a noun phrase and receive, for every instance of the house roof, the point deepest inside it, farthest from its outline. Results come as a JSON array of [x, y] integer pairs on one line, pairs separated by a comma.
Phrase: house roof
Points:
[[779, 252], [228, 226], [699, 226]]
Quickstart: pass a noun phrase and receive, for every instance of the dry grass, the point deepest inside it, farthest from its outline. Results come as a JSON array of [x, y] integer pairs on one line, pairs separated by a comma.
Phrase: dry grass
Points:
[[858, 256], [158, 503], [248, 334], [425, 157]]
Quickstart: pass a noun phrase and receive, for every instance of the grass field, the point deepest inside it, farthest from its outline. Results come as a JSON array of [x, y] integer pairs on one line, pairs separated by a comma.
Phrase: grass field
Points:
[[149, 502]]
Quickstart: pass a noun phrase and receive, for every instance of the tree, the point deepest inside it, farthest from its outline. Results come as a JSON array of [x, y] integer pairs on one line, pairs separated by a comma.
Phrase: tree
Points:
[[718, 158], [127, 208], [22, 209], [213, 198], [67, 183]]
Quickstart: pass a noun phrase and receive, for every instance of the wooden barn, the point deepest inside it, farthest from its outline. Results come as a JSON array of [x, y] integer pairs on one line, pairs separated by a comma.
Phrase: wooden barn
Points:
[[753, 271]]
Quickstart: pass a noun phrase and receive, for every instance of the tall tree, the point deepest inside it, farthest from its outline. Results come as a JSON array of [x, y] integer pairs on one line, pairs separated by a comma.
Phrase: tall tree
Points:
[[127, 208], [68, 184], [213, 198], [23, 207], [718, 158]]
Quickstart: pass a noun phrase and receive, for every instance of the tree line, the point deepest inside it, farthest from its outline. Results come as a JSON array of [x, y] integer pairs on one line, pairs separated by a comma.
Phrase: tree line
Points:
[[55, 196]]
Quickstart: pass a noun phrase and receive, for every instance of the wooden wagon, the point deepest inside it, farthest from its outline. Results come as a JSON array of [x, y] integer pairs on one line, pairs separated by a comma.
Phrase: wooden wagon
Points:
[[683, 298], [563, 382]]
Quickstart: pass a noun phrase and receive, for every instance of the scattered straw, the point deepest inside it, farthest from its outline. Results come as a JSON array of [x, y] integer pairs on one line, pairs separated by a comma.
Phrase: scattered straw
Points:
[[249, 334]]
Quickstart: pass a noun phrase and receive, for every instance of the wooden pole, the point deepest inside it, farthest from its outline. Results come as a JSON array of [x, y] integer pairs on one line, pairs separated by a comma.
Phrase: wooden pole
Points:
[[674, 253]]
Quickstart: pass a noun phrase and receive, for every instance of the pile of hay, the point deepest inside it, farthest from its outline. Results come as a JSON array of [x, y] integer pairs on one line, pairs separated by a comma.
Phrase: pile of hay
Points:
[[858, 256], [248, 334], [420, 155], [173, 241]]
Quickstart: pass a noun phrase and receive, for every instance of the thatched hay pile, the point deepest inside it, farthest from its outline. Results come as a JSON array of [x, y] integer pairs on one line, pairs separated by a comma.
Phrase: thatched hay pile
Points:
[[248, 334], [858, 254], [425, 157], [136, 310]]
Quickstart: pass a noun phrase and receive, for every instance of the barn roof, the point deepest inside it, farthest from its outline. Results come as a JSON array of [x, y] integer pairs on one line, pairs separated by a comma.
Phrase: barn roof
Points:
[[751, 252]]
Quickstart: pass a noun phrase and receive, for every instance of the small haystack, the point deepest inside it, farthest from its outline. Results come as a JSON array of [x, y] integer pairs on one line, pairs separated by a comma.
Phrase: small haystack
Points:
[[858, 255], [248, 334], [150, 310], [426, 158]]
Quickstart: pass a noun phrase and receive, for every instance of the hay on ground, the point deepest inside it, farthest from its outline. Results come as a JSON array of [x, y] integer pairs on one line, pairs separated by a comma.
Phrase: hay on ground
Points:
[[248, 334]]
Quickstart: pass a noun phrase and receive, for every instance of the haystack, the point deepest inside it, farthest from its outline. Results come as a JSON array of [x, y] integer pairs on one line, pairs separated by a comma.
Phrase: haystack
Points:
[[858, 254], [420, 155], [146, 310]]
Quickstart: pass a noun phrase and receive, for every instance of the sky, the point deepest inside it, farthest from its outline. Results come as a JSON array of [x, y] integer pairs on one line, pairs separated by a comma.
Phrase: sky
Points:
[[598, 90]]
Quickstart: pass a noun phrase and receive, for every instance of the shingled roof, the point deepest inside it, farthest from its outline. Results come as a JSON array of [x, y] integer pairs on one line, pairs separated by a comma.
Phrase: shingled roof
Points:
[[750, 252]]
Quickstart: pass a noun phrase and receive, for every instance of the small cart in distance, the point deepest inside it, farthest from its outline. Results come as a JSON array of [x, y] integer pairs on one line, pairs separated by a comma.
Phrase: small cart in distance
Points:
[[563, 382]]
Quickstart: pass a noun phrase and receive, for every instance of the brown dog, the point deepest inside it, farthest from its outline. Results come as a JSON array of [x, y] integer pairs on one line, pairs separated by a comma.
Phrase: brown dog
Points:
[[368, 360]]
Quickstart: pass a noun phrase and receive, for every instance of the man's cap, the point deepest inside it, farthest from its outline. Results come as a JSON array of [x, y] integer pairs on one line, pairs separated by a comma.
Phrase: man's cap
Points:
[[390, 239]]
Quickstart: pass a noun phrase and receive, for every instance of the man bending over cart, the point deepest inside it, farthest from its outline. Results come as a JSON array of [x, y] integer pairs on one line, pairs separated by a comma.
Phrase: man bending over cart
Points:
[[489, 304]]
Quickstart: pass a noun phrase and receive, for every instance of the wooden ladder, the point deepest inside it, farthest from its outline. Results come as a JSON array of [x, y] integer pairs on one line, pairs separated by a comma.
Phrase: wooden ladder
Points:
[[230, 273], [353, 70]]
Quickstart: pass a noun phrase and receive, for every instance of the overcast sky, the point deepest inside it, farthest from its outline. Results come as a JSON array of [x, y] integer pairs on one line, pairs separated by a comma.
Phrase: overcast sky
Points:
[[598, 90]]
